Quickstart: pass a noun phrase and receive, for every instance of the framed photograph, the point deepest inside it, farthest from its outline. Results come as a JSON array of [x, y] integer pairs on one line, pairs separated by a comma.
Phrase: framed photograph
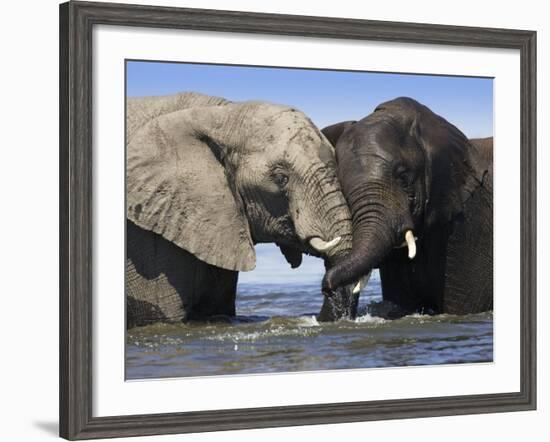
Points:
[[272, 220]]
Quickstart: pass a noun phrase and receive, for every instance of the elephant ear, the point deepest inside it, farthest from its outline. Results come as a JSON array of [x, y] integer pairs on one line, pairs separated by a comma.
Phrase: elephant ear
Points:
[[177, 185], [335, 131], [455, 167], [141, 110]]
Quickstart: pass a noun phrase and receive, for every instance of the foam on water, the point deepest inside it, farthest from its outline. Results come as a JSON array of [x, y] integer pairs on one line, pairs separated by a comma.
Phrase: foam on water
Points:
[[276, 330], [309, 321], [368, 319]]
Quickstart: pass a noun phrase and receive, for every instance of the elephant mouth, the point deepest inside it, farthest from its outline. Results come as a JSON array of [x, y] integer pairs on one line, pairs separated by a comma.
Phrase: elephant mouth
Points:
[[313, 245], [292, 255]]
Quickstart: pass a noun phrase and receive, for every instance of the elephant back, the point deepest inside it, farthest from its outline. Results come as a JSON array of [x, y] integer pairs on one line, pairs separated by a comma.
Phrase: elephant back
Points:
[[485, 147]]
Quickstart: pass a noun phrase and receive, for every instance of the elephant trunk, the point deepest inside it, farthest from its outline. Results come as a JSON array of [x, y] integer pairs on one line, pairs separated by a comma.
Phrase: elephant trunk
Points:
[[371, 244], [343, 247], [334, 242], [381, 222], [329, 236]]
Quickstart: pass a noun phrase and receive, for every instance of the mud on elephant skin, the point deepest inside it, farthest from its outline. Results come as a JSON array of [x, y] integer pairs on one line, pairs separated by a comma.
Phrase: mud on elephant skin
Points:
[[420, 194], [206, 180]]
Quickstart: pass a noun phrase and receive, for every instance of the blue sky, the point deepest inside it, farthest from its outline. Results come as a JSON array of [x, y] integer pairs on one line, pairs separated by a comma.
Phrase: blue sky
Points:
[[327, 97]]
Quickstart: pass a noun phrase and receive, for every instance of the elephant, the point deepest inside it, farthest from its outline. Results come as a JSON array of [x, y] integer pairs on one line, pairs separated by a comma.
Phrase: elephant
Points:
[[421, 199], [206, 180]]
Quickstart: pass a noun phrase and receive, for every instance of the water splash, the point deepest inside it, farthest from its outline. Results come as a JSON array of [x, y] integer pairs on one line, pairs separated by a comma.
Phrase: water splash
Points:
[[309, 321], [277, 330], [368, 319]]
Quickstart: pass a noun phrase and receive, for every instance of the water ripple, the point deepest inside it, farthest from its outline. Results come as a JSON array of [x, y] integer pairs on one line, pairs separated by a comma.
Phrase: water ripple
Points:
[[276, 330]]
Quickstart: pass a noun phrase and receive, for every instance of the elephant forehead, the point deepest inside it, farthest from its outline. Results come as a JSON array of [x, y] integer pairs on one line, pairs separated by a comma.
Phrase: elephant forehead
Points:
[[288, 145], [297, 132], [301, 148], [381, 137], [287, 119]]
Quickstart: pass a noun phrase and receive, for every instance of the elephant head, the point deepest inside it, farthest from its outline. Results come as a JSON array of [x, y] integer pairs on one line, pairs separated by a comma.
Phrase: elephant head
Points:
[[407, 174], [216, 177]]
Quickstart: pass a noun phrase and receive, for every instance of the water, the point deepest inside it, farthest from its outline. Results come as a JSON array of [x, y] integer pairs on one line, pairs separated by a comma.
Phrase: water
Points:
[[276, 331]]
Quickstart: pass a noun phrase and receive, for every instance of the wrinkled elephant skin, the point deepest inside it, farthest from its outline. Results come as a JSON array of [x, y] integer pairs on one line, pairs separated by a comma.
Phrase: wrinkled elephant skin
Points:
[[206, 180], [420, 195]]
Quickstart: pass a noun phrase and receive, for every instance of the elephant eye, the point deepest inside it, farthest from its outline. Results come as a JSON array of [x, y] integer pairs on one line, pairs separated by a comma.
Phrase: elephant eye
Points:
[[280, 179], [404, 178]]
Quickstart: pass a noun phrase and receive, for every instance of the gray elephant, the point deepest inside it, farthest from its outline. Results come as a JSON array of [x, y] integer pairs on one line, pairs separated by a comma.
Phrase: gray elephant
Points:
[[421, 198], [207, 179]]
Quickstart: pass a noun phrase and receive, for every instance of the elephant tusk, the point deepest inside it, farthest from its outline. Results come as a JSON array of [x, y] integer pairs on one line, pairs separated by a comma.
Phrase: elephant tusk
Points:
[[322, 246], [411, 244], [361, 283]]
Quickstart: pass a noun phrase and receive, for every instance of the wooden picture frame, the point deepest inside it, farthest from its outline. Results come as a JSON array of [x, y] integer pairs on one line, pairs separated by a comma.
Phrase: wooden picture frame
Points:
[[76, 243]]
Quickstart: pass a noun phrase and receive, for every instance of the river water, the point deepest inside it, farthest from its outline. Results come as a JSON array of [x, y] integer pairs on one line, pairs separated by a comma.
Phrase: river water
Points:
[[276, 331]]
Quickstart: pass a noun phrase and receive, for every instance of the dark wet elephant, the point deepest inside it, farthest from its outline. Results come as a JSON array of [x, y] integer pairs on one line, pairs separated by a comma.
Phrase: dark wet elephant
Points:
[[421, 198], [206, 180]]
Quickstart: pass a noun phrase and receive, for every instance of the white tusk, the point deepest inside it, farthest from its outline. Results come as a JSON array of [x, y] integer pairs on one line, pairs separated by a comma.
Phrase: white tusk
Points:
[[361, 283], [321, 246], [409, 238]]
